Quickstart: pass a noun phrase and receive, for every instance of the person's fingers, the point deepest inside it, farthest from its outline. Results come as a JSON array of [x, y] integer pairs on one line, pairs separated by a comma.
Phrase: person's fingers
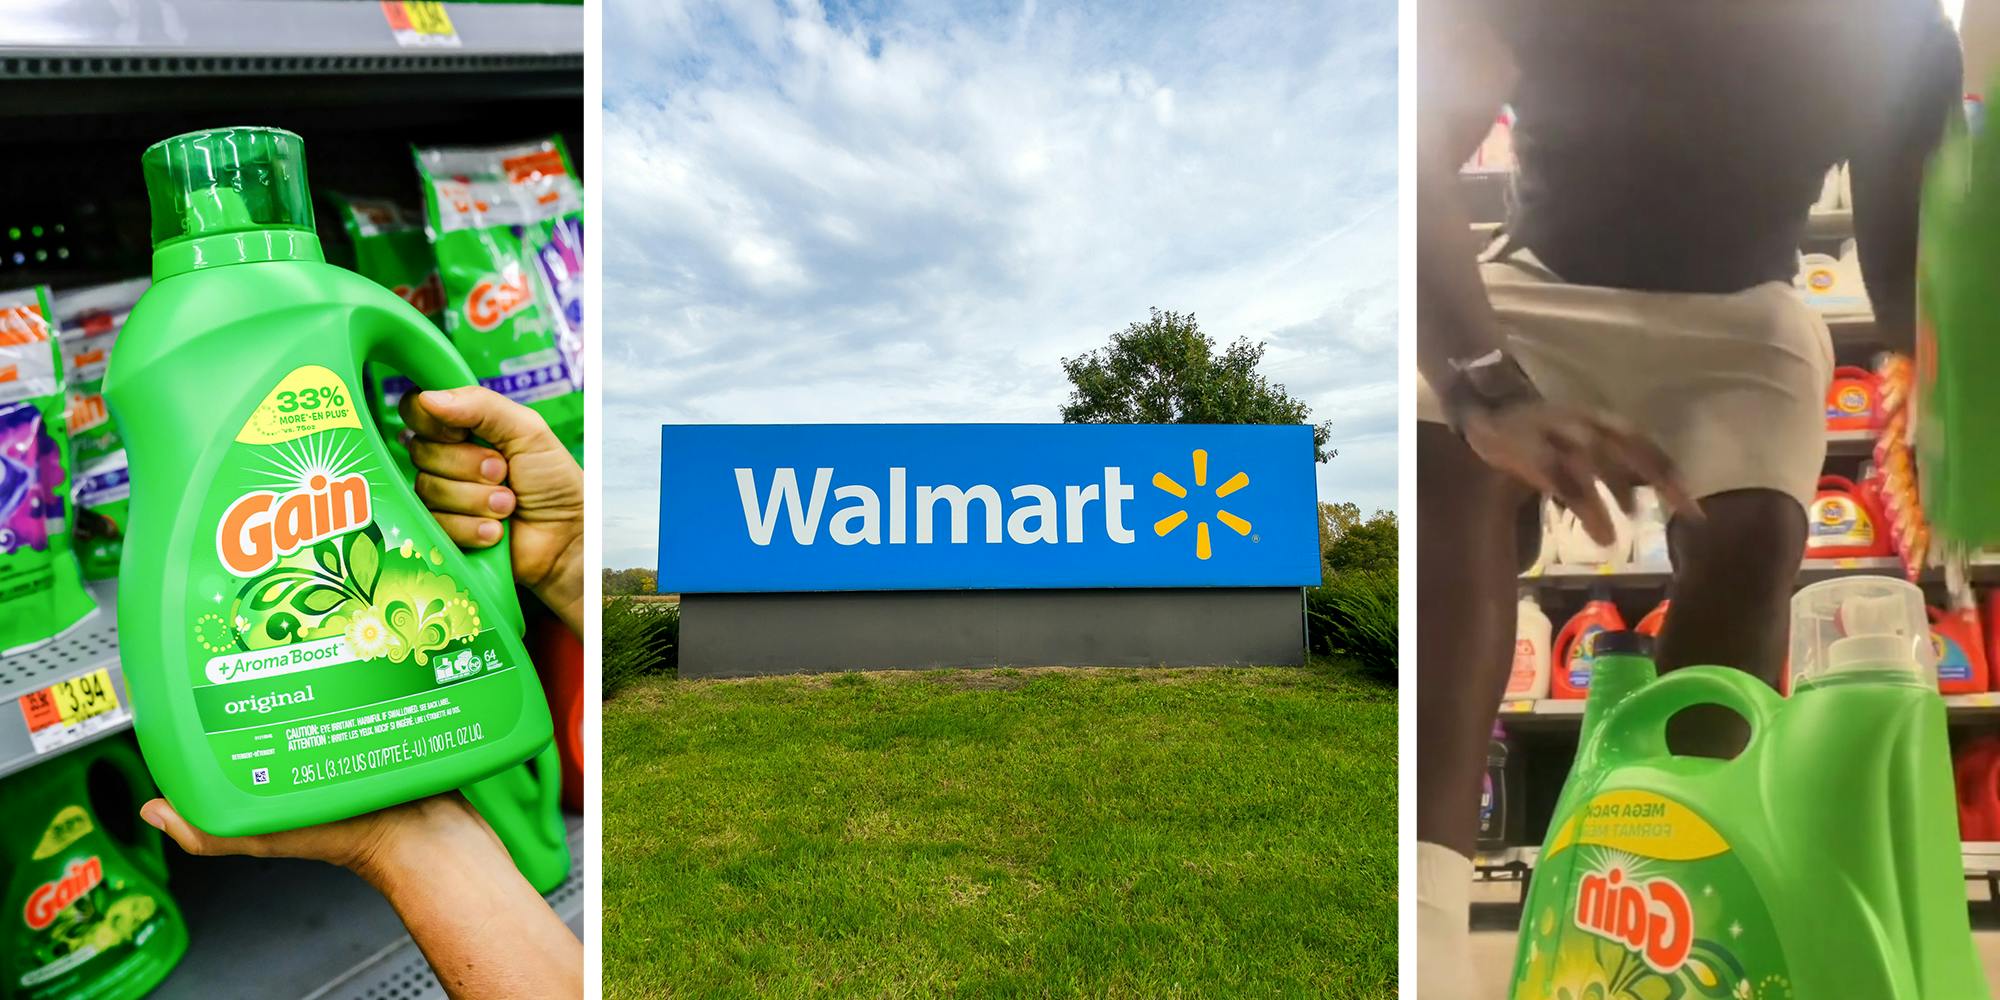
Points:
[[450, 496], [1576, 488], [1651, 464], [161, 816], [508, 425], [423, 423], [469, 532], [468, 463]]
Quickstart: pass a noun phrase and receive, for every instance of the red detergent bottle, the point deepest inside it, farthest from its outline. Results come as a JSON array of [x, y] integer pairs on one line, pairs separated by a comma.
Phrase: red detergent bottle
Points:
[[1655, 620], [1574, 647], [1960, 647], [1844, 521], [1976, 773], [1854, 400]]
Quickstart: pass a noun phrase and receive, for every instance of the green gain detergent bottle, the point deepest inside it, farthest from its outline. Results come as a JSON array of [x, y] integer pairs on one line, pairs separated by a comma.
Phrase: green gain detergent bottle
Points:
[[522, 805], [1822, 863], [302, 641], [87, 917]]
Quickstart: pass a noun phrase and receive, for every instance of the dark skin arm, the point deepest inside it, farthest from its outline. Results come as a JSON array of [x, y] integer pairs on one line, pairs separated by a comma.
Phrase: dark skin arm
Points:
[[1464, 69], [1888, 172]]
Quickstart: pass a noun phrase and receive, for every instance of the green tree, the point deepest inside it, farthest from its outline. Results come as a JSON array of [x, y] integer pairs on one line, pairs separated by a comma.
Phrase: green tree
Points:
[[1166, 371], [1358, 546], [628, 582]]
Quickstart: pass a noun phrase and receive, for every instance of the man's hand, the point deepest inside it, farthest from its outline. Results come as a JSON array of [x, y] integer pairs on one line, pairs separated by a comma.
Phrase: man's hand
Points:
[[367, 844], [1563, 451], [527, 477]]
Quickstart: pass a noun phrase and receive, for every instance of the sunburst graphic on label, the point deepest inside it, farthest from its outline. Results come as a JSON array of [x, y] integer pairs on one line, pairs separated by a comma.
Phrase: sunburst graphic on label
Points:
[[294, 464], [1166, 525]]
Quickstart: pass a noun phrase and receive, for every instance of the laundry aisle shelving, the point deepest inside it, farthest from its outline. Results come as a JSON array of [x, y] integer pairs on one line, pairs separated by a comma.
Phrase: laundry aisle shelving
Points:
[[28, 703]]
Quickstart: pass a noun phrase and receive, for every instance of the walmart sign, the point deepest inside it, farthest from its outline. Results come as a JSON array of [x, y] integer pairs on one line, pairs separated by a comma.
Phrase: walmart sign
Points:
[[979, 506]]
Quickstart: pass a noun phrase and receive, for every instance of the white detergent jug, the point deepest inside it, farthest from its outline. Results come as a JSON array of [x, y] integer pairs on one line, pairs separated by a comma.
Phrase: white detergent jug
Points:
[[1529, 677], [1649, 530], [1575, 547]]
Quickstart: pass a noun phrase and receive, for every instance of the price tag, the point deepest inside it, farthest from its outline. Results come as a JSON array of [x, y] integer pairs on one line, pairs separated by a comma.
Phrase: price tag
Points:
[[1849, 562], [1522, 706], [72, 710], [420, 24], [1606, 569]]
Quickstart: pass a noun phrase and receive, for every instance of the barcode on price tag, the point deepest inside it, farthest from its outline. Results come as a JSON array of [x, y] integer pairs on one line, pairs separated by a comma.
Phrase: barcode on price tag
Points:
[[420, 24], [72, 710]]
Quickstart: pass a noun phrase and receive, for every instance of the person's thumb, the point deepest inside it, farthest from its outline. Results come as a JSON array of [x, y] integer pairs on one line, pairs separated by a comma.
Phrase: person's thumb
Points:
[[489, 416]]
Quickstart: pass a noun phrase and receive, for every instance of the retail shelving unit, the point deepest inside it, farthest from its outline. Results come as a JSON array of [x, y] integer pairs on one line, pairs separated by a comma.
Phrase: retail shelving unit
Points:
[[1545, 731], [91, 83]]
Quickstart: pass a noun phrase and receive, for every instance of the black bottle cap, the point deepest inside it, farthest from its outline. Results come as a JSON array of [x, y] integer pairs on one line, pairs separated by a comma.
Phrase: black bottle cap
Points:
[[1622, 643]]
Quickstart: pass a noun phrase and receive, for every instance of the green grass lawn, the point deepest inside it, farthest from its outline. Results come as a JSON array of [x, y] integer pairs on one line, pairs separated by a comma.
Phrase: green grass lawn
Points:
[[1003, 833]]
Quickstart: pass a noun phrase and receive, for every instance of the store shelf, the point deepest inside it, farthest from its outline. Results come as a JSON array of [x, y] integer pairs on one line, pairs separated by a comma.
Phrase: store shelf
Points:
[[1632, 575], [1850, 442], [90, 646], [343, 942], [1837, 224], [1552, 713], [114, 38]]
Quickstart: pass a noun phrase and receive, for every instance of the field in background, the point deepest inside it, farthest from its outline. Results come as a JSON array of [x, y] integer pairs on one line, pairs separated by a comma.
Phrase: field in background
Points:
[[1146, 833]]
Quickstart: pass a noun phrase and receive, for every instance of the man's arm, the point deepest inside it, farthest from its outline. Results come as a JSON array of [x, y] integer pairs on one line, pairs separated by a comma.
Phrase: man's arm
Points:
[[1463, 73], [1888, 167]]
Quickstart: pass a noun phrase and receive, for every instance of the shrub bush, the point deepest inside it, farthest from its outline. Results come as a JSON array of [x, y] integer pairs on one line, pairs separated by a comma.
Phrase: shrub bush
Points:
[[640, 638], [1354, 614]]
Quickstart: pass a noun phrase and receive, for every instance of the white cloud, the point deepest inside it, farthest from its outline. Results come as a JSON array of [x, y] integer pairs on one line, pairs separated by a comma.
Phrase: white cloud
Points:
[[818, 214]]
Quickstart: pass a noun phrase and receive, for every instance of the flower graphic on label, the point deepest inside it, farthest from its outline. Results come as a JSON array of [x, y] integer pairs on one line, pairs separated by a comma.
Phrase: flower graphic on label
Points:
[[367, 636], [1165, 526]]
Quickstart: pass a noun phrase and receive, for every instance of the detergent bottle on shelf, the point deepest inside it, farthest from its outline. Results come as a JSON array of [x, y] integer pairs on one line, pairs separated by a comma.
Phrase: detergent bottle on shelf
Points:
[[1853, 400], [1844, 521], [301, 639], [1976, 773], [1575, 547], [1493, 794], [1529, 677], [1959, 645], [1649, 530], [86, 908], [1655, 621], [1812, 864], [1574, 651]]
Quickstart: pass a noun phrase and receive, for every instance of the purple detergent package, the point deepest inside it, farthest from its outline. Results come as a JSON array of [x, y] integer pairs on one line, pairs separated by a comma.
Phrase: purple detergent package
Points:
[[41, 583]]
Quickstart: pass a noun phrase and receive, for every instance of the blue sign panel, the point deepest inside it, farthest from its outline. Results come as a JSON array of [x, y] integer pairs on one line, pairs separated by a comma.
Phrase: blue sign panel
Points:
[[985, 506]]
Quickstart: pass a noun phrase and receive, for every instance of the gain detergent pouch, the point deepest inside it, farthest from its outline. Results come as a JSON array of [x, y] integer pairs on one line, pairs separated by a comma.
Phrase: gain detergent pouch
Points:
[[41, 585], [507, 225], [308, 644], [88, 321], [389, 247], [86, 910]]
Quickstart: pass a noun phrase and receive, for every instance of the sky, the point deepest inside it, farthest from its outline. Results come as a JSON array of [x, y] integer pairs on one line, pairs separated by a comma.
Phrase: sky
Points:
[[880, 212]]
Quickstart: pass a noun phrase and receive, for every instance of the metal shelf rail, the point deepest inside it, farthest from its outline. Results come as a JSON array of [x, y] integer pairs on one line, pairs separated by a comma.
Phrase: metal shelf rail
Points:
[[91, 646]]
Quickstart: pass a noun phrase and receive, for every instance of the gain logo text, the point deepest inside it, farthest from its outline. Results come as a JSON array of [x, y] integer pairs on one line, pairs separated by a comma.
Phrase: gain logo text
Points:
[[1653, 918], [262, 527], [51, 898]]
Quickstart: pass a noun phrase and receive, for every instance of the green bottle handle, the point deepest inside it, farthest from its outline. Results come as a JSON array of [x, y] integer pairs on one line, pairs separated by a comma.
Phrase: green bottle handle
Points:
[[149, 845], [407, 342], [1637, 728]]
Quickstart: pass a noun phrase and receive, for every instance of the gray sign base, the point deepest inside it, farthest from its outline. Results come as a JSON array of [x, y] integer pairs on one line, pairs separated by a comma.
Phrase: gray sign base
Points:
[[741, 635]]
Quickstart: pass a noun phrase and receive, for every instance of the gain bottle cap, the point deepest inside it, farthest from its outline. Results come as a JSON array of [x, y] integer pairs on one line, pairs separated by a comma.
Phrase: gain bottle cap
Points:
[[228, 196]]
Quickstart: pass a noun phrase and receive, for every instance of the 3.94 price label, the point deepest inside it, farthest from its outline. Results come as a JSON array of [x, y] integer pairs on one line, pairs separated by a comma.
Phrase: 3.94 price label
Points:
[[71, 710], [420, 24]]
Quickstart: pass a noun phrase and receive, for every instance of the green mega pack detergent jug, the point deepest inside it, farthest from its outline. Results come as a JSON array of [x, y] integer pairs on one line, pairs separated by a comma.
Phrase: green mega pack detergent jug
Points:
[[301, 640], [87, 917], [1821, 863]]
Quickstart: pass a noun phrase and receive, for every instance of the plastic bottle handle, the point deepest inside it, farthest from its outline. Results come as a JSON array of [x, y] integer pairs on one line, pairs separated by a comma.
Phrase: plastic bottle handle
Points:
[[1637, 728], [1841, 482], [150, 852], [412, 345], [1559, 655], [1854, 371], [547, 766]]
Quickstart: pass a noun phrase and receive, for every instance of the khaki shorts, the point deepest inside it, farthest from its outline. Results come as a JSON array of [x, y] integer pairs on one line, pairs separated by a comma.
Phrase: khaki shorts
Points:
[[1732, 386]]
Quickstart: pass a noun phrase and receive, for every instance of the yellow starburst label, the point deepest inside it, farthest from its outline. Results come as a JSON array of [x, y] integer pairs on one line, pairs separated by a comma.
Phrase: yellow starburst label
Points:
[[309, 400]]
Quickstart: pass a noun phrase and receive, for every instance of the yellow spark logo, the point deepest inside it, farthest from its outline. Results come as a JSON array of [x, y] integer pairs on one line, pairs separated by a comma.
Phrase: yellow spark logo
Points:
[[1166, 525]]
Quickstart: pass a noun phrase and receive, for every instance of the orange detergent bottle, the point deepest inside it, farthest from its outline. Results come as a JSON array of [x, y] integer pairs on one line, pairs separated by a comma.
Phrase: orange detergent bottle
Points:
[[1959, 646], [1575, 649], [1854, 400]]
